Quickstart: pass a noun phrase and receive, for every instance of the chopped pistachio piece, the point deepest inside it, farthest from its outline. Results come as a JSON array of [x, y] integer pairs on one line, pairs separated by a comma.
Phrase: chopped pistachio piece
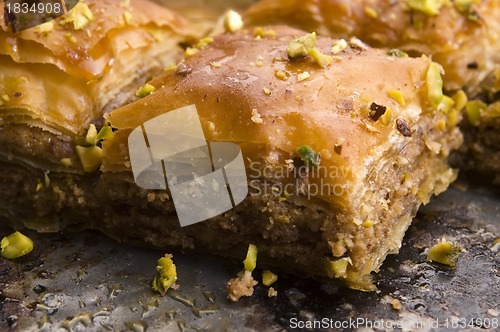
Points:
[[397, 53], [232, 21], [308, 156], [105, 133], [453, 117], [441, 125], [250, 261], [397, 96], [6, 98], [90, 157], [281, 75], [321, 59], [66, 162], [204, 42], [367, 223], [474, 110], [444, 252], [91, 138], [460, 99], [46, 27], [434, 83], [339, 46], [190, 51], [170, 67], [166, 275], [446, 104], [268, 278], [429, 7], [303, 76], [300, 47], [127, 16], [262, 33], [337, 268], [145, 90], [80, 16], [371, 12], [16, 245], [386, 117]]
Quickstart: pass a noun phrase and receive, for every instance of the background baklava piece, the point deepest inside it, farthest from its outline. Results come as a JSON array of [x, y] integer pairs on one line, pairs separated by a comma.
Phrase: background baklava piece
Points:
[[463, 36], [58, 78]]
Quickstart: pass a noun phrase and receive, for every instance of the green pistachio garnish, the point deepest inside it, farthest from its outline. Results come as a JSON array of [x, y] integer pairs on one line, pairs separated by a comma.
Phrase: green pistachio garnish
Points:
[[128, 18], [300, 47], [446, 104], [105, 133], [337, 268], [166, 275], [250, 261], [397, 96], [16, 245], [87, 150], [444, 252], [91, 138], [80, 16], [90, 157], [262, 33], [321, 59], [308, 156], [460, 99], [434, 83], [145, 90], [232, 21], [397, 53], [268, 278], [429, 7], [474, 110]]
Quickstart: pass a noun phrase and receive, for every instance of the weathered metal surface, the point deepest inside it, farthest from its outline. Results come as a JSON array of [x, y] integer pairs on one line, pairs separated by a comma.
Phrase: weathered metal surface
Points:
[[88, 282]]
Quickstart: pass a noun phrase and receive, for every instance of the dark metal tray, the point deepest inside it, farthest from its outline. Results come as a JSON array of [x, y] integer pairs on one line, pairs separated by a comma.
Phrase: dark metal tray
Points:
[[88, 282]]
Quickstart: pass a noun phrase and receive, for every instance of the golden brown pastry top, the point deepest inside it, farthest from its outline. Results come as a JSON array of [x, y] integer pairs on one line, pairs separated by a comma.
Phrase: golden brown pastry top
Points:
[[248, 91], [462, 36], [87, 50]]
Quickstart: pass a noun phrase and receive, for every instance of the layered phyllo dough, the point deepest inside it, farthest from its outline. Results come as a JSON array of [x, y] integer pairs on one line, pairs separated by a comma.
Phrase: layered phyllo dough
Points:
[[59, 77]]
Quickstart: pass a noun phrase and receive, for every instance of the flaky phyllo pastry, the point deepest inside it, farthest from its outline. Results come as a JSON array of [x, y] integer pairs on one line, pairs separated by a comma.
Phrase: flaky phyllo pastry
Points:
[[342, 143], [461, 35], [58, 78], [340, 149]]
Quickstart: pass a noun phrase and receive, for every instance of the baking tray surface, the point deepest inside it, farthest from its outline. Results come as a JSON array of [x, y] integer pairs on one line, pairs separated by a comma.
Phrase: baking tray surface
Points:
[[85, 281]]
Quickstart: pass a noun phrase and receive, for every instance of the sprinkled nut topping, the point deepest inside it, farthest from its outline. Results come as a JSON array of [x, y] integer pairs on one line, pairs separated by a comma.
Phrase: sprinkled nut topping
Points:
[[376, 111], [232, 21], [403, 127], [300, 47]]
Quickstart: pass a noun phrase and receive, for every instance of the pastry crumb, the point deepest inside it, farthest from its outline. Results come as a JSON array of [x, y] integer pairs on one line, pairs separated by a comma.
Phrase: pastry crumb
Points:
[[241, 286], [256, 117], [272, 292]]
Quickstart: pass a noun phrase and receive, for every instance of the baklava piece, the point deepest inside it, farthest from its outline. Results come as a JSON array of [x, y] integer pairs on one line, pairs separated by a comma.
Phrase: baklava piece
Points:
[[340, 149], [59, 77], [462, 36]]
